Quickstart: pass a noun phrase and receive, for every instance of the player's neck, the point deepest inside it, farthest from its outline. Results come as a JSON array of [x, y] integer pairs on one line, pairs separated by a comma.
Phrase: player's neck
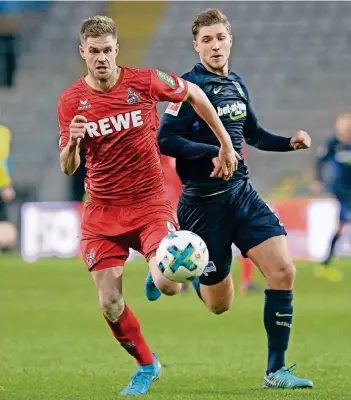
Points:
[[103, 85], [221, 72]]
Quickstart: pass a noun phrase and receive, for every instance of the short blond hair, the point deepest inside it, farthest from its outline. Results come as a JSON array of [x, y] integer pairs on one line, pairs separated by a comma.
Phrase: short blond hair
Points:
[[96, 26], [208, 17]]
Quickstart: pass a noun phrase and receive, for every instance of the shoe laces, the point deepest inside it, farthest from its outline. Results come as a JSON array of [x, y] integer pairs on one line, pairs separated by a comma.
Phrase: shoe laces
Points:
[[291, 368], [139, 378]]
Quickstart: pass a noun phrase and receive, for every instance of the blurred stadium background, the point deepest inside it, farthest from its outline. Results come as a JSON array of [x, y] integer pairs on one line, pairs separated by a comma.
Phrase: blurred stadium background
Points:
[[296, 60]]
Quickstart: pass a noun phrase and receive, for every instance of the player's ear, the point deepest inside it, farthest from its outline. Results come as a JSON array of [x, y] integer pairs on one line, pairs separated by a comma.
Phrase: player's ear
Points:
[[81, 51], [195, 44], [117, 49]]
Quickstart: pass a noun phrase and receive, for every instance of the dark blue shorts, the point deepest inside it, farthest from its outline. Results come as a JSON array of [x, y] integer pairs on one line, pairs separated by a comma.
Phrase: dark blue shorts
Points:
[[238, 216], [343, 195], [345, 211], [3, 211]]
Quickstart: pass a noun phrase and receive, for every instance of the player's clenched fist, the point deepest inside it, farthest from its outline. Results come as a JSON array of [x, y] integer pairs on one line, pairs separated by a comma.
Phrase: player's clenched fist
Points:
[[301, 140], [77, 129]]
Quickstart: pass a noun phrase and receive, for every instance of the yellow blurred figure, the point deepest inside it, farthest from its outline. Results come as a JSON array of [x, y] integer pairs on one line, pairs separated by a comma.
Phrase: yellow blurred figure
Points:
[[5, 144], [8, 233]]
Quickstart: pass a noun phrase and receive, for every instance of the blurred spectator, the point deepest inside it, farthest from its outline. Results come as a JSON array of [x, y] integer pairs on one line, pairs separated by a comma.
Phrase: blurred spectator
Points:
[[8, 232], [333, 172]]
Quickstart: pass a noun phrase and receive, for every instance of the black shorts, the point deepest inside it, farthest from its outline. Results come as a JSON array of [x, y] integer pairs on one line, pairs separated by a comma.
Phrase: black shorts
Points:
[[238, 216]]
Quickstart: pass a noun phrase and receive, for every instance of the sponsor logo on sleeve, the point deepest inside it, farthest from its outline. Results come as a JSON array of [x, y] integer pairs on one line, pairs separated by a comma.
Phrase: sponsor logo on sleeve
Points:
[[173, 109], [166, 78], [181, 86]]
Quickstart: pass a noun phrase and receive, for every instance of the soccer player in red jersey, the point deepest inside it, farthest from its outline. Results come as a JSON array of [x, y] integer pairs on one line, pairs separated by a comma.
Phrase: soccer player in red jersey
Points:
[[111, 112]]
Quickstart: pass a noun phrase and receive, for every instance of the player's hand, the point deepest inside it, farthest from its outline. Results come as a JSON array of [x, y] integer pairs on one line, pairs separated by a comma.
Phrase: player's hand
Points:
[[301, 140], [220, 172], [316, 187], [217, 171], [8, 194], [77, 130], [228, 160]]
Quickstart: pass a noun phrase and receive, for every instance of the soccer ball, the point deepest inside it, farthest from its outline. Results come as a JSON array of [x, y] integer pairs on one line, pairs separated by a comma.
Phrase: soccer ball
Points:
[[182, 256]]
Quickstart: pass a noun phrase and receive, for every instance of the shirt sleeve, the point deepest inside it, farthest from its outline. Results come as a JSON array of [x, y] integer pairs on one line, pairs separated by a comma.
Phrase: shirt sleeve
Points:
[[255, 135], [176, 124], [64, 116], [167, 87]]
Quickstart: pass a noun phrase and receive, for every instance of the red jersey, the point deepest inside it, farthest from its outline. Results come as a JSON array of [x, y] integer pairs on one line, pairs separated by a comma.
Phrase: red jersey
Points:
[[122, 156]]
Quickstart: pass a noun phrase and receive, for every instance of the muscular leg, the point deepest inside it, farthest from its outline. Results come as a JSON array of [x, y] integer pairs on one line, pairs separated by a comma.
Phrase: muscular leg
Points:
[[120, 318], [273, 259], [219, 297], [150, 238], [166, 286], [215, 288]]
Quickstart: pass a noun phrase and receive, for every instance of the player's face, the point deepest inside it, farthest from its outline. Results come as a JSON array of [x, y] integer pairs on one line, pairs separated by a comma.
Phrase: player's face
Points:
[[213, 43], [100, 55], [343, 128]]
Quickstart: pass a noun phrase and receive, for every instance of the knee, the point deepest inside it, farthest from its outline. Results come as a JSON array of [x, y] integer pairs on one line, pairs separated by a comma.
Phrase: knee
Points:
[[220, 307], [168, 288], [112, 305], [284, 276]]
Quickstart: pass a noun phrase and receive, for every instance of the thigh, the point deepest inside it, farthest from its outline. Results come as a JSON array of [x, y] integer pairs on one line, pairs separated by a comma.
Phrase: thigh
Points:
[[256, 221], [219, 297], [101, 252], [108, 280], [147, 239], [209, 220], [156, 226], [274, 260]]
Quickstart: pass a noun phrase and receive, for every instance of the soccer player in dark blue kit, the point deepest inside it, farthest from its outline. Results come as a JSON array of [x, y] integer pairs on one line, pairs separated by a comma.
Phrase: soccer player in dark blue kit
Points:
[[225, 210], [333, 170]]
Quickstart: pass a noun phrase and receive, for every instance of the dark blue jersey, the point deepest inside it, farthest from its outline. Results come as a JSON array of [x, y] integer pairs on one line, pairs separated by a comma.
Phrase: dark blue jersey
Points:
[[186, 137], [334, 166]]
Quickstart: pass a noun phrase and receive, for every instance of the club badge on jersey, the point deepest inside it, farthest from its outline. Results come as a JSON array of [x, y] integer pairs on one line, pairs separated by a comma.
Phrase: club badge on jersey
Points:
[[239, 89], [132, 97]]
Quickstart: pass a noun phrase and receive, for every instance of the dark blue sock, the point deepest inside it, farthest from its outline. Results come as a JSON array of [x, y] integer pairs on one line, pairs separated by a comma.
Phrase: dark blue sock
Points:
[[278, 311], [196, 284], [331, 249]]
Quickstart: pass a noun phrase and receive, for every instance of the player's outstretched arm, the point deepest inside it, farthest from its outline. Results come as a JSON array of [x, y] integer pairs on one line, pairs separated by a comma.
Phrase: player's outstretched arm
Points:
[[228, 157], [69, 156], [256, 136]]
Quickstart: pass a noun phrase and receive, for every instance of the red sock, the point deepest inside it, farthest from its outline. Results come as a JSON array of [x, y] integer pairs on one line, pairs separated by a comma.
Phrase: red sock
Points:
[[127, 331], [246, 270]]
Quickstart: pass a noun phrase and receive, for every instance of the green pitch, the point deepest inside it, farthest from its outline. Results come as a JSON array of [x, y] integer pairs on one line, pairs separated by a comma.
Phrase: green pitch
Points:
[[55, 345]]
